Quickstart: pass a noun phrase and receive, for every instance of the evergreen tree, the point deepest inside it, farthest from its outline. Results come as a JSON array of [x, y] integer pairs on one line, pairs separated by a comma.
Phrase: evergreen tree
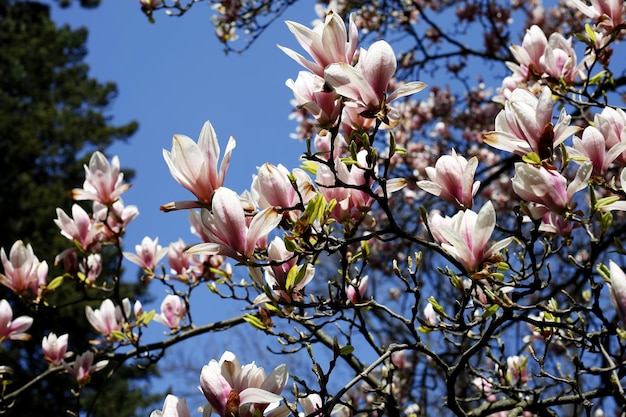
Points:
[[53, 118]]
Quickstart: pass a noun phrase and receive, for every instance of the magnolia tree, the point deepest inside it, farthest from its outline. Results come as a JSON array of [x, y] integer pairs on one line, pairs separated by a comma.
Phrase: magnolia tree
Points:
[[424, 259]]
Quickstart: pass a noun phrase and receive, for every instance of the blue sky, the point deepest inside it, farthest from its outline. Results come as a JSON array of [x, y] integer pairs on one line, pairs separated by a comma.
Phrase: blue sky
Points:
[[172, 77]]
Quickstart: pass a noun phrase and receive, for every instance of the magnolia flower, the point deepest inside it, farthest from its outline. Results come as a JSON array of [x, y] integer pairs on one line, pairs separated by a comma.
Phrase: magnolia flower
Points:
[[109, 317], [530, 52], [525, 125], [81, 229], [311, 404], [617, 289], [367, 82], [611, 123], [116, 217], [283, 264], [172, 407], [91, 267], [227, 229], [430, 316], [548, 188], [559, 60], [233, 389], [103, 180], [271, 187], [452, 179], [148, 254], [173, 311], [608, 14], [194, 165], [13, 329], [355, 291], [593, 146], [308, 91], [22, 269], [327, 42], [516, 369], [467, 237], [83, 367], [54, 348]]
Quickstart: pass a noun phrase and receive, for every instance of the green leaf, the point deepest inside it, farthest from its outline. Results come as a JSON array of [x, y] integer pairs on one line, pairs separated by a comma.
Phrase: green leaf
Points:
[[254, 321], [55, 283]]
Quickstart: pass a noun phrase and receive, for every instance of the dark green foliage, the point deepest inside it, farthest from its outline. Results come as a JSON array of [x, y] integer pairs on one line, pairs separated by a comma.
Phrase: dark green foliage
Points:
[[52, 119]]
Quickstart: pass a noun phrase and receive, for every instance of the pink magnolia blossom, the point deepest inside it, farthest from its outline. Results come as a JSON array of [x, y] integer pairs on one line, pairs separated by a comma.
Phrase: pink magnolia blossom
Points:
[[91, 267], [355, 290], [109, 317], [367, 83], [81, 229], [311, 404], [173, 311], [467, 235], [172, 407], [271, 187], [227, 228], [103, 180], [194, 165], [452, 178], [308, 91], [608, 14], [430, 316], [148, 254], [13, 329], [147, 5], [233, 389], [548, 188], [182, 264], [22, 269], [611, 123], [116, 217], [617, 289], [517, 371], [525, 125], [282, 264], [54, 348], [83, 367], [593, 146], [530, 52], [559, 60], [327, 43]]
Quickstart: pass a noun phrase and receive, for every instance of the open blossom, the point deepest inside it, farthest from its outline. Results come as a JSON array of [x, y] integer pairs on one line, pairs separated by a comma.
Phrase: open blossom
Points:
[[116, 217], [227, 228], [452, 178], [548, 188], [368, 81], [611, 122], [525, 125], [83, 367], [233, 389], [80, 229], [467, 235], [54, 348], [173, 407], [593, 146], [608, 14], [308, 91], [559, 60], [327, 43], [173, 311], [148, 254], [109, 317], [22, 269], [103, 180], [13, 329], [194, 165]]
